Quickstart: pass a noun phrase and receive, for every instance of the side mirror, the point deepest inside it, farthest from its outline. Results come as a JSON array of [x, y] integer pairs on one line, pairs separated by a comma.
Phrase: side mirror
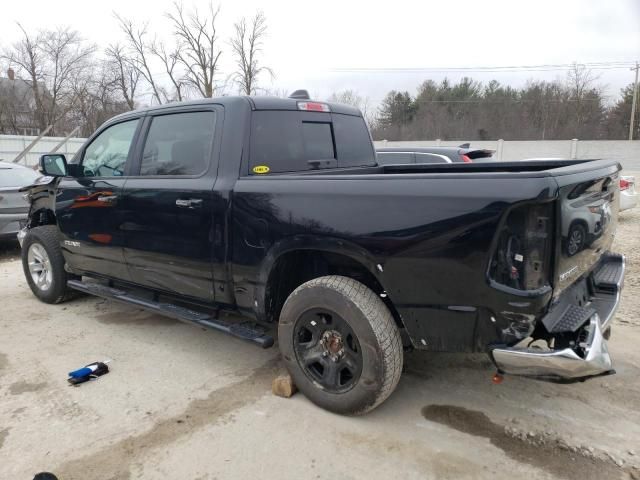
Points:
[[54, 165]]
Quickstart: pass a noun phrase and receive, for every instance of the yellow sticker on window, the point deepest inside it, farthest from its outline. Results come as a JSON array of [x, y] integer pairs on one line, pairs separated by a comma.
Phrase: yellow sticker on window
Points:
[[261, 169]]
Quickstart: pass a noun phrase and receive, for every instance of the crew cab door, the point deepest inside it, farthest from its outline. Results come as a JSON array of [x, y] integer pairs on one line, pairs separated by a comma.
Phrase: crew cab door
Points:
[[168, 218], [88, 207]]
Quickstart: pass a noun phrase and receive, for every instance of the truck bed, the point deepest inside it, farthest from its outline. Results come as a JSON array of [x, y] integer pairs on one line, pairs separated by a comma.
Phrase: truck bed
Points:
[[430, 231], [529, 168]]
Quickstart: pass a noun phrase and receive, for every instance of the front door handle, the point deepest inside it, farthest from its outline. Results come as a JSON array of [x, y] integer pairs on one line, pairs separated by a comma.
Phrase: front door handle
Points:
[[189, 202], [107, 198]]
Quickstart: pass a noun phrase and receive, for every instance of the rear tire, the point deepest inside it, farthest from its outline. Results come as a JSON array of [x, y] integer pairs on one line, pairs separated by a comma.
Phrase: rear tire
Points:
[[43, 264], [340, 344]]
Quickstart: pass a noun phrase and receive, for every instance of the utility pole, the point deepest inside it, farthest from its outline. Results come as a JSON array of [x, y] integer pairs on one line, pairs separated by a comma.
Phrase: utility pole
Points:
[[633, 102]]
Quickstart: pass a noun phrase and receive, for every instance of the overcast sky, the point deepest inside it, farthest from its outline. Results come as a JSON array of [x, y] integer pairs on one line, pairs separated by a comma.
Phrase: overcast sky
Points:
[[310, 44]]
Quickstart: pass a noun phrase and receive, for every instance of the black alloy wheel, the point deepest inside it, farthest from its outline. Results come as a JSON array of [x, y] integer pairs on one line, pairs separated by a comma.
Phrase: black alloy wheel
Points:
[[328, 350]]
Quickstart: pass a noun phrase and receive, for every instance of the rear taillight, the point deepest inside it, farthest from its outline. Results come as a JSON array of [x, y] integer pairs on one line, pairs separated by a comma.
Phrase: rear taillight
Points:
[[523, 251], [466, 159], [624, 184]]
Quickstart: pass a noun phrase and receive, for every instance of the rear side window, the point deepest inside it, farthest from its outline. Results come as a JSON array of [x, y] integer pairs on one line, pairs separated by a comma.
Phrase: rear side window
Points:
[[178, 144], [352, 141], [290, 141]]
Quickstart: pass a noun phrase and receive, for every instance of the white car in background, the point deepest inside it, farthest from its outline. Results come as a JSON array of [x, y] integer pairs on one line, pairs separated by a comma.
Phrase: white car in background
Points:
[[628, 195]]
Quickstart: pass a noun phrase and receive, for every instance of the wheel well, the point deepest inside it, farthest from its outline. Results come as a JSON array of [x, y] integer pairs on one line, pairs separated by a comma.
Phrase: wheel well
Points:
[[42, 216], [292, 269], [579, 221]]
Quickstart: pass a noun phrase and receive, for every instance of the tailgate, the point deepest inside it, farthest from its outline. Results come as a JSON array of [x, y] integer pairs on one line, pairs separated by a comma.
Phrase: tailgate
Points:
[[588, 215]]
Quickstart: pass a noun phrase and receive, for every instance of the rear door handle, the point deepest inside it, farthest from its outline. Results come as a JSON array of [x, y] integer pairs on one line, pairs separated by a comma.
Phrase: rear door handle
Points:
[[189, 202], [107, 198]]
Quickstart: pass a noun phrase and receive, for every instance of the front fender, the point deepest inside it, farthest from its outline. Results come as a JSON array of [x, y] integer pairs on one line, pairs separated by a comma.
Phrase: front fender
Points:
[[41, 196]]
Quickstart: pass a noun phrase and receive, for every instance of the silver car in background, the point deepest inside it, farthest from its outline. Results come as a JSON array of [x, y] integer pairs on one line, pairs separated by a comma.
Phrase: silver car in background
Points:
[[460, 154], [13, 207]]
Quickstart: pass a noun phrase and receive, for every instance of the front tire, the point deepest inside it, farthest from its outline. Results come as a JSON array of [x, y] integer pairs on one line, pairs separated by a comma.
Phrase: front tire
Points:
[[43, 264], [340, 344]]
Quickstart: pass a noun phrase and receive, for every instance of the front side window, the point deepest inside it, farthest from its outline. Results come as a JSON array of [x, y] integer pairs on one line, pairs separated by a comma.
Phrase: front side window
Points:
[[178, 144], [106, 155]]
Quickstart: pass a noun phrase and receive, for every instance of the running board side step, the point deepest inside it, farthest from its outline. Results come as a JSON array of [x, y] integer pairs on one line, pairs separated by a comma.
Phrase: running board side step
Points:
[[245, 330]]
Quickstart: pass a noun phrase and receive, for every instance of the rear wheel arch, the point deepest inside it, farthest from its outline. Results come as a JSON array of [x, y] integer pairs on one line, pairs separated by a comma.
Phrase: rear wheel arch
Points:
[[293, 267], [579, 221]]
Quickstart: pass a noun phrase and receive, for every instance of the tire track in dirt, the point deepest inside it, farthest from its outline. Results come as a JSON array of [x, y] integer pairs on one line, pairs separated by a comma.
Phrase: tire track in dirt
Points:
[[114, 462]]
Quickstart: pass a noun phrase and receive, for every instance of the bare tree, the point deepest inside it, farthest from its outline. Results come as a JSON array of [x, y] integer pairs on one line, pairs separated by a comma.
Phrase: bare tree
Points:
[[170, 61], [277, 92], [50, 59], [126, 76], [26, 55], [11, 100], [139, 52], [351, 97], [582, 85], [246, 45], [66, 55], [97, 97], [91, 93], [197, 50]]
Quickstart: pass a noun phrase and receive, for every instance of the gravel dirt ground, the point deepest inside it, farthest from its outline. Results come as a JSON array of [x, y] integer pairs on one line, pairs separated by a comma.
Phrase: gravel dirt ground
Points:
[[183, 403]]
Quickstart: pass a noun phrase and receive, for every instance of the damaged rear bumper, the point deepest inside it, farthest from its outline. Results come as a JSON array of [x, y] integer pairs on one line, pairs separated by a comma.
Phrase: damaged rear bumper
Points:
[[588, 355], [563, 364]]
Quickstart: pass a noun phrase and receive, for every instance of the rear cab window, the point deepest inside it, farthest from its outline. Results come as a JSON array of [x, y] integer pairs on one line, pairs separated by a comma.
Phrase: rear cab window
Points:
[[293, 141]]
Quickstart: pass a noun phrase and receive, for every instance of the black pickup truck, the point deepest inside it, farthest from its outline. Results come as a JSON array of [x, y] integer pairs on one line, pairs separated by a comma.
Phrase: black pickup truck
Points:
[[276, 209]]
